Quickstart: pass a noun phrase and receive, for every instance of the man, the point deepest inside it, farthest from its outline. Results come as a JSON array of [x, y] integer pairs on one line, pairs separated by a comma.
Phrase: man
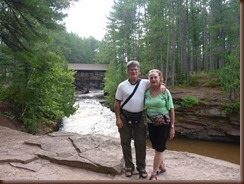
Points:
[[128, 128]]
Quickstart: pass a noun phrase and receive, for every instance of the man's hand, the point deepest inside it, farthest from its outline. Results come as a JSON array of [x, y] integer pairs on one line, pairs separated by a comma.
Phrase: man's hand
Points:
[[162, 88], [119, 123]]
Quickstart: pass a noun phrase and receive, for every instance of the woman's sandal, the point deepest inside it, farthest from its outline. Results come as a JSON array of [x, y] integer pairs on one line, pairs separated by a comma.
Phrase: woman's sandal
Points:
[[161, 170], [142, 173], [128, 172], [153, 177]]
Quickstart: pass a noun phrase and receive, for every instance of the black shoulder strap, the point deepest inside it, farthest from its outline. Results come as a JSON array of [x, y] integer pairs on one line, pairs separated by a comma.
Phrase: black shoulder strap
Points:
[[138, 82]]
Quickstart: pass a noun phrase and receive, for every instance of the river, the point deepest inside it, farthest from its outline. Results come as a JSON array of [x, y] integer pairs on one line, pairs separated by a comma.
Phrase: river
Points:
[[93, 118]]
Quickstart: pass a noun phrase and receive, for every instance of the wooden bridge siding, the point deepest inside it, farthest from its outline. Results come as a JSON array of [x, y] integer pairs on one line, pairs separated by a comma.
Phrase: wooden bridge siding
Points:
[[89, 79], [88, 76]]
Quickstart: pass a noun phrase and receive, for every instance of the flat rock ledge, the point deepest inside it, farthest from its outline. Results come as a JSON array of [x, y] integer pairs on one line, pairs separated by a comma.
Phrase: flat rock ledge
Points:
[[71, 156]]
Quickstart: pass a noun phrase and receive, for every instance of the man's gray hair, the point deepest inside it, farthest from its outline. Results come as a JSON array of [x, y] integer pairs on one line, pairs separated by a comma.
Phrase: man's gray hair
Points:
[[133, 63]]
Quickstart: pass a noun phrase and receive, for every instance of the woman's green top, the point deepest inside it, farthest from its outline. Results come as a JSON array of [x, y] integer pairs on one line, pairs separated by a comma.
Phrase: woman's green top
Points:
[[160, 104]]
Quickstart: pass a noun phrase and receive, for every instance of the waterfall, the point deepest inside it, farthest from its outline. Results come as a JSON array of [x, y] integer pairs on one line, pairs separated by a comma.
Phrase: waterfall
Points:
[[91, 116]]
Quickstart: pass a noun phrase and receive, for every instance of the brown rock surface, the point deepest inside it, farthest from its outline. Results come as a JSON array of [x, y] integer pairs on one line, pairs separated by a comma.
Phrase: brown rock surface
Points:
[[206, 120], [70, 156]]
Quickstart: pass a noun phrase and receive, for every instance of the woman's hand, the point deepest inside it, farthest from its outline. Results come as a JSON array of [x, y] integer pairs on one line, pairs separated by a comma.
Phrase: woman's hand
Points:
[[172, 132]]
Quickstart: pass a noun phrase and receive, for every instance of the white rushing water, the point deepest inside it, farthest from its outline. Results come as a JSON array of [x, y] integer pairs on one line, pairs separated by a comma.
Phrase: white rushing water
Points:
[[91, 117]]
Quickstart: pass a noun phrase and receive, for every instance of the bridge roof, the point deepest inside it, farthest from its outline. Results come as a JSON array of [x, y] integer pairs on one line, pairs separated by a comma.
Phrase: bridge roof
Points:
[[88, 67]]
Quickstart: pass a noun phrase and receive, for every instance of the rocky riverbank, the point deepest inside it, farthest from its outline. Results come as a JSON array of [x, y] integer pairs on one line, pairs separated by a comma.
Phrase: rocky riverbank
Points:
[[71, 156], [207, 120]]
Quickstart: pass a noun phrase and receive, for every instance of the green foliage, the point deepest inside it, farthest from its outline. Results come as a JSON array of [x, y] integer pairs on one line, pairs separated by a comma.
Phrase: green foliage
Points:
[[34, 75], [188, 101], [229, 75], [193, 81], [74, 48], [172, 36], [3, 94], [112, 79], [181, 79], [233, 107], [30, 121], [23, 22], [41, 88], [168, 35], [205, 79], [213, 79], [106, 53]]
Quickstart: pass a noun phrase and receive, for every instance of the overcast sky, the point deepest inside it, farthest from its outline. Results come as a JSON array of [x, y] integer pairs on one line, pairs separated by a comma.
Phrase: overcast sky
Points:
[[88, 18]]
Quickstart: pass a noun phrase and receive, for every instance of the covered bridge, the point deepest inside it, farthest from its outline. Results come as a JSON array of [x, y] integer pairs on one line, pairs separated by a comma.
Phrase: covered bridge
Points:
[[88, 76]]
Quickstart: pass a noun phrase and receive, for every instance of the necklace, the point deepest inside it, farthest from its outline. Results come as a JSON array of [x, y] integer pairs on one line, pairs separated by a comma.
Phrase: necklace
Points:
[[154, 91]]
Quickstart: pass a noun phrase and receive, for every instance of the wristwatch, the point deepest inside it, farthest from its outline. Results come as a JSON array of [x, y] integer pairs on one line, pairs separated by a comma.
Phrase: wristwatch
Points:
[[172, 126]]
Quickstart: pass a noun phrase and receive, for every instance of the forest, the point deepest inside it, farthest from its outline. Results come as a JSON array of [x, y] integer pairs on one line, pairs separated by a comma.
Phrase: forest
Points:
[[182, 38]]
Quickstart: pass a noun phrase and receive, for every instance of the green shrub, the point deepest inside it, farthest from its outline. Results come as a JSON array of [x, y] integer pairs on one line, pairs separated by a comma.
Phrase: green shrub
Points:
[[30, 124], [233, 107], [194, 80], [229, 75], [41, 89], [189, 101]]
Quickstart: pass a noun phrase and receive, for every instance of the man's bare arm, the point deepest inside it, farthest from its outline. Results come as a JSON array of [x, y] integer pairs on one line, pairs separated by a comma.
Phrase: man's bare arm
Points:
[[117, 113]]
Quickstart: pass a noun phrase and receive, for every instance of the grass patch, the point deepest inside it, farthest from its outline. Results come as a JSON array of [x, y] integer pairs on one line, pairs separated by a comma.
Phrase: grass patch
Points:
[[233, 107], [188, 101]]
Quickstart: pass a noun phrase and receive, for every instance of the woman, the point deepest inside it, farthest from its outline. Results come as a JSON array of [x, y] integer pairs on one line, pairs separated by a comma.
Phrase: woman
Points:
[[157, 103]]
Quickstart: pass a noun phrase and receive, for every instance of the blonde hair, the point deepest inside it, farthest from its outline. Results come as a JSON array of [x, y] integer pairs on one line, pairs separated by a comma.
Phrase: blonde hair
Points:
[[159, 74]]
